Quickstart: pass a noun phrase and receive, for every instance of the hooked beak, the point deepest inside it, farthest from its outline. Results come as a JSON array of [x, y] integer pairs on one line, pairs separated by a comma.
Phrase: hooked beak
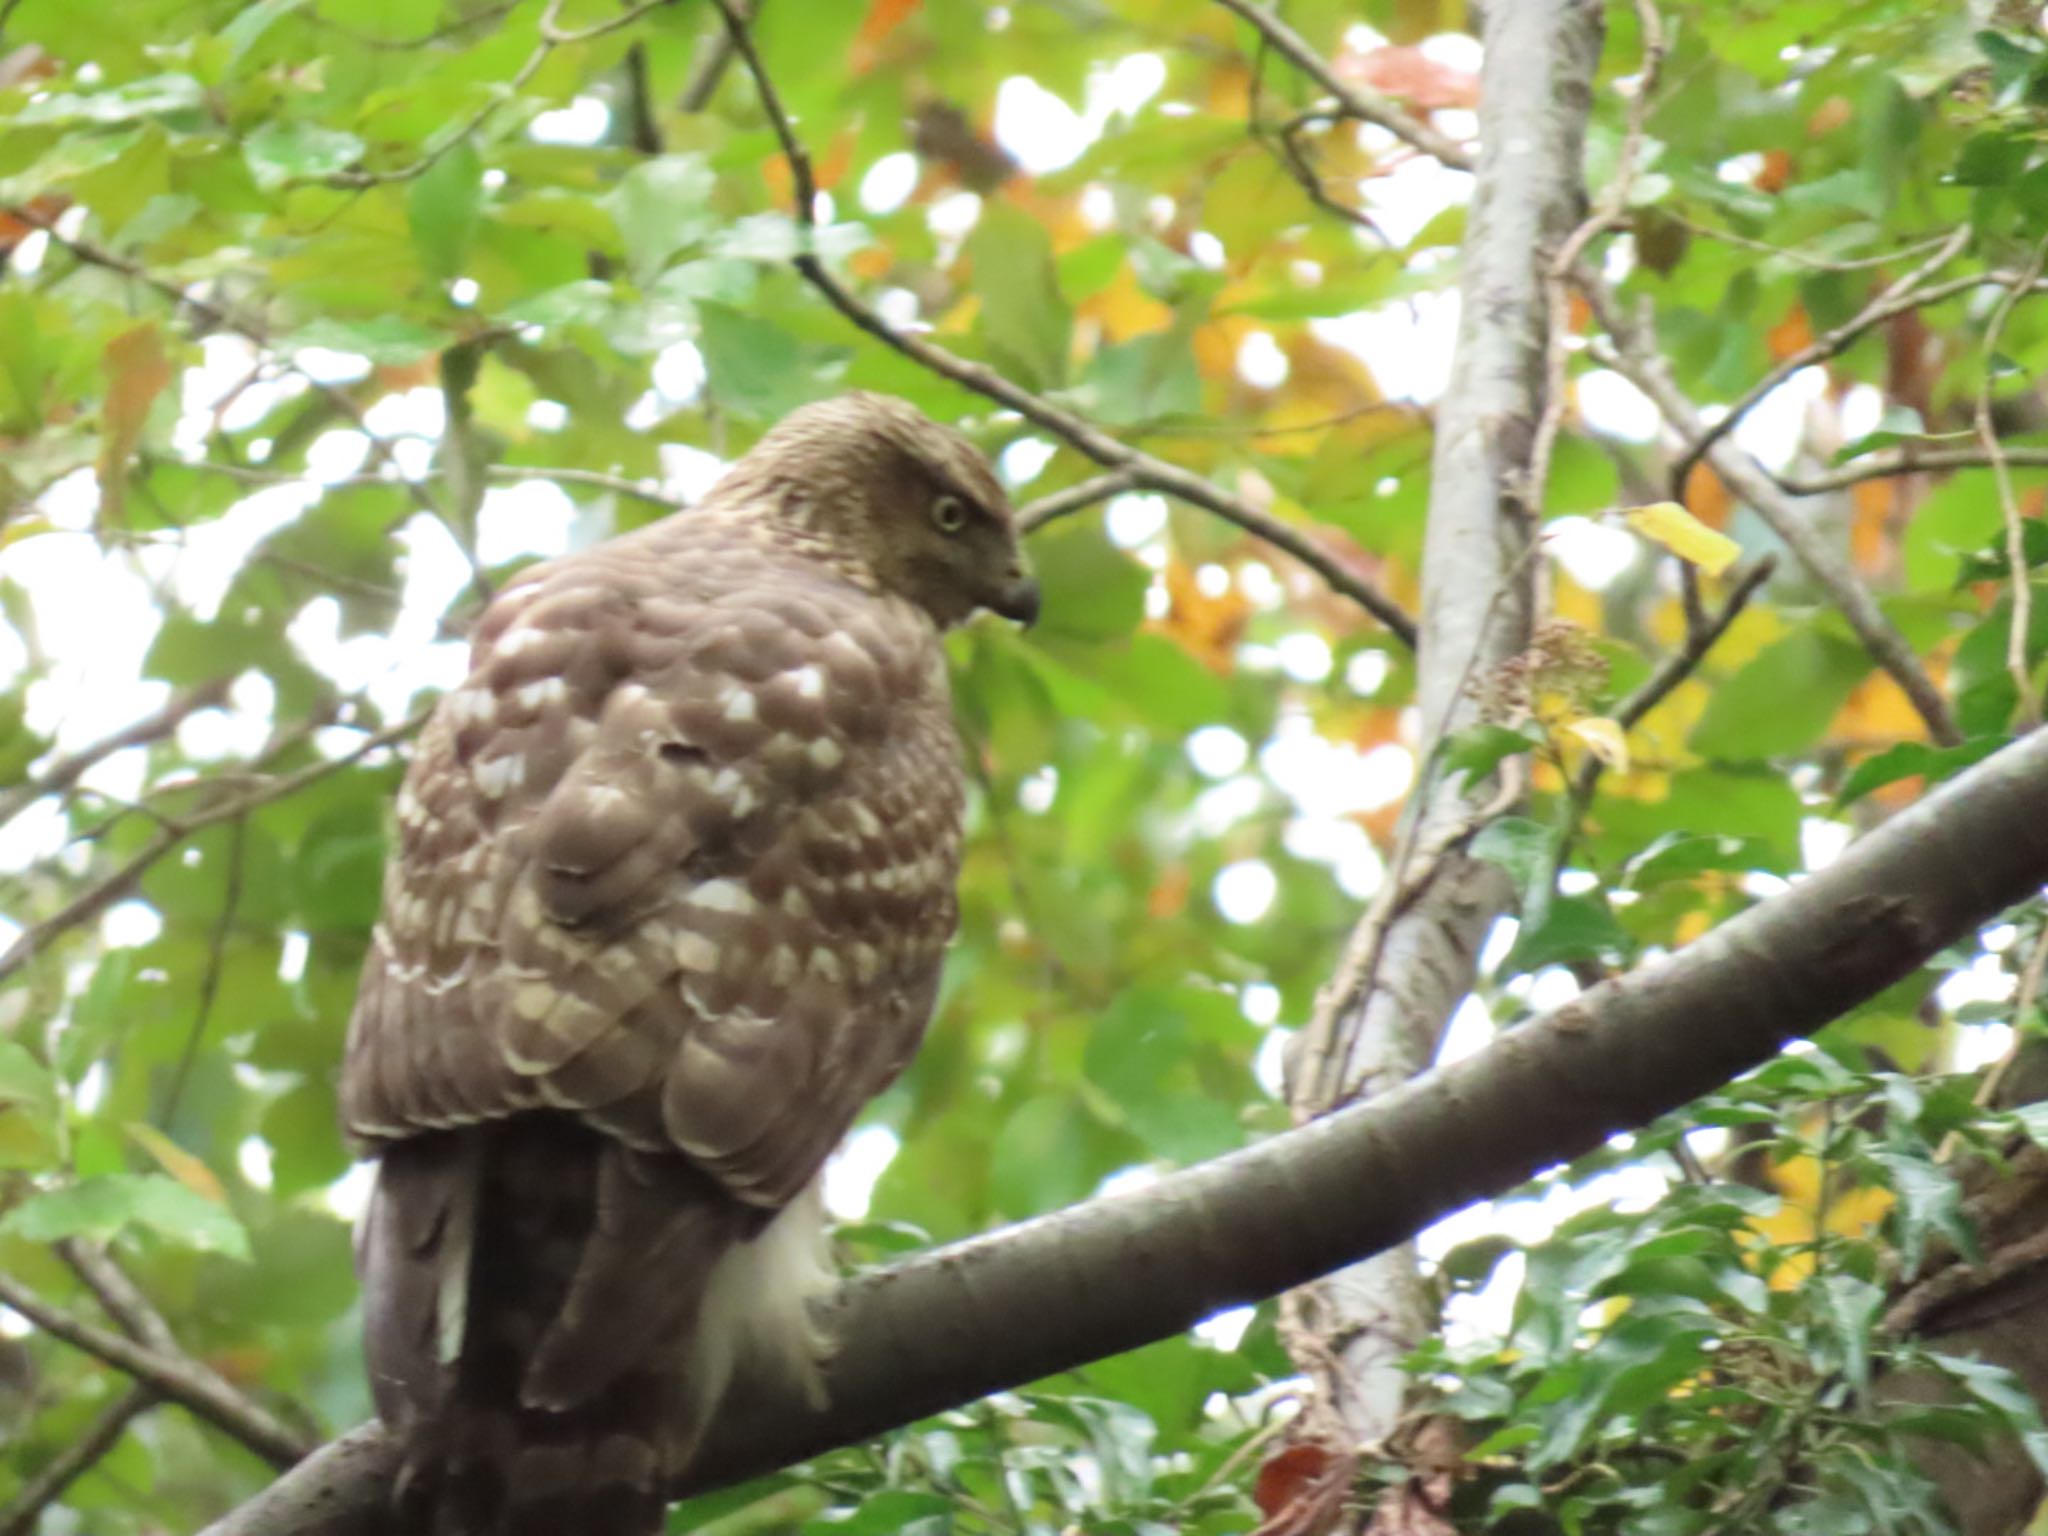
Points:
[[1018, 598]]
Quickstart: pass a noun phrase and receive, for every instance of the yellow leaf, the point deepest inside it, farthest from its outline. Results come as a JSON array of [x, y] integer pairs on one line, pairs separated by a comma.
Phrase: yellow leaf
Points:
[[1668, 524], [177, 1162], [1603, 738]]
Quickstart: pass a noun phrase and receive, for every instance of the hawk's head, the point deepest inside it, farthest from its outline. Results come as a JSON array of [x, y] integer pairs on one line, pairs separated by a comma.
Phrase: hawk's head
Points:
[[914, 502]]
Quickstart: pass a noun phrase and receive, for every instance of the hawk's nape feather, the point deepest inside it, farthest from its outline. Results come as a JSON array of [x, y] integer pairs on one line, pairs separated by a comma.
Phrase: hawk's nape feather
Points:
[[674, 878]]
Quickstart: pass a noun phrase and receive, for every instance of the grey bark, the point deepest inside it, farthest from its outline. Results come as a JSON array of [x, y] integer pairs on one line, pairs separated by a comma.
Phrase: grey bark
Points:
[[944, 1328], [1477, 600]]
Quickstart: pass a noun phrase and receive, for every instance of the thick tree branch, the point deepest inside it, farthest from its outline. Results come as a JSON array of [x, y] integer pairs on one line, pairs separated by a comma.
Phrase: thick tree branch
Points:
[[1144, 471], [175, 1377], [995, 1312]]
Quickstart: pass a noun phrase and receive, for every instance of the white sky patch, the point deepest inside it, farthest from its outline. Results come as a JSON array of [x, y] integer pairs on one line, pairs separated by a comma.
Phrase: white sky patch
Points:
[[852, 1172], [1740, 170], [211, 553], [324, 365], [1977, 1046], [1260, 362], [1612, 404], [889, 182], [689, 472], [464, 290], [1986, 981], [1043, 133], [1025, 460], [1471, 1029], [38, 831], [583, 121], [1233, 801], [1128, 1181], [1366, 672], [1135, 520], [1411, 193], [349, 1196], [1305, 656], [1217, 751], [1244, 891], [1259, 1002], [1822, 842], [254, 1159], [547, 415], [1594, 553], [1407, 346], [292, 955], [679, 372], [1861, 411], [533, 517], [1226, 1330], [130, 925], [1773, 429], [952, 216], [1038, 790]]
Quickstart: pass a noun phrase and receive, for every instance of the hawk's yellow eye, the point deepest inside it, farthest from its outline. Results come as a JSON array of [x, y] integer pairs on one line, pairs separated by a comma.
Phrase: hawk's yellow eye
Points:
[[949, 514]]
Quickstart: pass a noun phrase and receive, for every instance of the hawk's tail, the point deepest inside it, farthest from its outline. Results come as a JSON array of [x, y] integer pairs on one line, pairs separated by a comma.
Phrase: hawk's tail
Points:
[[531, 1287]]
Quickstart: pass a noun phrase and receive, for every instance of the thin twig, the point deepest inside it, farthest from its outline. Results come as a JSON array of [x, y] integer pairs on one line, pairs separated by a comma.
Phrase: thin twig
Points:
[[596, 479], [67, 770], [209, 982], [1893, 299], [90, 902], [1145, 471], [119, 1297], [1366, 106], [179, 1378], [1635, 355], [626, 18], [714, 55], [1909, 252], [2020, 576], [1034, 515], [44, 1486], [1907, 461], [1674, 669]]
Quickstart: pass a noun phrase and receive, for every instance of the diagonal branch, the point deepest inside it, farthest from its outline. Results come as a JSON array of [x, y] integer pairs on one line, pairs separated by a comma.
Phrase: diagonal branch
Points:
[[946, 1327], [68, 769], [43, 1487], [1144, 471], [176, 1377], [172, 831], [1366, 106], [1636, 356]]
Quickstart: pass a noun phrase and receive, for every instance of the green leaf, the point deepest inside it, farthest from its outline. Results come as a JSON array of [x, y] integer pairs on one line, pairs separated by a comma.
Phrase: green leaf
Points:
[[444, 206], [156, 96], [1782, 700], [1911, 759], [24, 1081], [385, 339], [1473, 753], [249, 25], [279, 152], [100, 1207], [661, 206], [1023, 318], [758, 370]]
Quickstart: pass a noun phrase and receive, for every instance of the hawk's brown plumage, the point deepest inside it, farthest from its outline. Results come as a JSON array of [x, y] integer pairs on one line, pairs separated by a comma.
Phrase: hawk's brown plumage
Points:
[[675, 873]]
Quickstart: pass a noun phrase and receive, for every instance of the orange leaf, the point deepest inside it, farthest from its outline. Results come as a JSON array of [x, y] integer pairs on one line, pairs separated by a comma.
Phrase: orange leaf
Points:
[[1831, 114], [1776, 172], [1412, 75], [177, 1162], [1207, 627], [1706, 498], [882, 18], [137, 372], [1792, 334], [1287, 1474]]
